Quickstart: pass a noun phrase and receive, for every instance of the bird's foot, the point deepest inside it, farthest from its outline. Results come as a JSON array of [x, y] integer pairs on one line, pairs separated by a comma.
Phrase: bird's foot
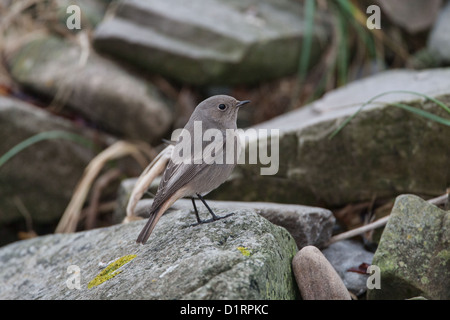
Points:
[[214, 218]]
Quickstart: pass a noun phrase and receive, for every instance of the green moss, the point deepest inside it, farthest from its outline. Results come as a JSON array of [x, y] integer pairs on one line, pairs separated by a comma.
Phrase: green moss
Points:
[[424, 280], [271, 293], [444, 257], [412, 254], [110, 271]]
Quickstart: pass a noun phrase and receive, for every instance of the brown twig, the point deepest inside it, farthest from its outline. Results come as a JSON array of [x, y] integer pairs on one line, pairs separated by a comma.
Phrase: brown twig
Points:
[[102, 182], [30, 233], [378, 223], [71, 216], [155, 168]]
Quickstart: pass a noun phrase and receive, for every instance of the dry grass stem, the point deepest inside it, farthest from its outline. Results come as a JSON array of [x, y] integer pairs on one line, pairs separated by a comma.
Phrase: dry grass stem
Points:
[[70, 218], [102, 182], [378, 223], [154, 169]]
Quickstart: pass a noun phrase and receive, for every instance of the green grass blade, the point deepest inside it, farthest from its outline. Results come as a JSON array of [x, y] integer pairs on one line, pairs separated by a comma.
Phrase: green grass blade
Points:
[[436, 101], [56, 134], [366, 38], [347, 7], [343, 56], [424, 113], [310, 9], [335, 132]]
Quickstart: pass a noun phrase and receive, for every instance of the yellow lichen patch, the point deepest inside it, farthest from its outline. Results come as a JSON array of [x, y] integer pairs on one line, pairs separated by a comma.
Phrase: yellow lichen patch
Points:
[[245, 251], [110, 271]]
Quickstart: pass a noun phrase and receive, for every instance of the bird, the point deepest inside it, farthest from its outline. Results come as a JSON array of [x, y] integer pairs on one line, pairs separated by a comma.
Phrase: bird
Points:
[[189, 173]]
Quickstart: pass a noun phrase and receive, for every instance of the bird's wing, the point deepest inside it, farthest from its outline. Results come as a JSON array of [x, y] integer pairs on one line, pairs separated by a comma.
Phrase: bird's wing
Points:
[[178, 174]]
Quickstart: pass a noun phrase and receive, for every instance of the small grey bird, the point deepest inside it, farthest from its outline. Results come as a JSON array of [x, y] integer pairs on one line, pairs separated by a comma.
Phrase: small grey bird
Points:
[[189, 173]]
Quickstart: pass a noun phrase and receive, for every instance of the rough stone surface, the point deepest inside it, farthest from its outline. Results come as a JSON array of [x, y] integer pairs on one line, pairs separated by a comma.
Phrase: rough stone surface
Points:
[[92, 12], [43, 175], [414, 252], [308, 225], [439, 39], [106, 94], [346, 255], [316, 277], [412, 15], [377, 153], [241, 257], [209, 42]]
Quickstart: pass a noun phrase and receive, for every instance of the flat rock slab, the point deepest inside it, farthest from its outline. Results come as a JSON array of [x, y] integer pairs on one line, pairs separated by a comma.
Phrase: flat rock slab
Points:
[[209, 42], [241, 257], [384, 151], [42, 176], [438, 43], [308, 225], [414, 16], [121, 102]]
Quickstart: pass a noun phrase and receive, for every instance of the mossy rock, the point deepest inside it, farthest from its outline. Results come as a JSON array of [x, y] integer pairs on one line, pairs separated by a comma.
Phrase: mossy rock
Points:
[[241, 257], [414, 252], [384, 151]]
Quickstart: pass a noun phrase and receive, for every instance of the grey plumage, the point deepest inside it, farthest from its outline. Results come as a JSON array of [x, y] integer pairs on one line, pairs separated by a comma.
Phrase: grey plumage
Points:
[[188, 178]]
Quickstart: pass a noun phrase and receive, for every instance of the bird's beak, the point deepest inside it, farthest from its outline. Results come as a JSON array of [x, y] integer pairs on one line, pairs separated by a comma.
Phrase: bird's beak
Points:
[[241, 103]]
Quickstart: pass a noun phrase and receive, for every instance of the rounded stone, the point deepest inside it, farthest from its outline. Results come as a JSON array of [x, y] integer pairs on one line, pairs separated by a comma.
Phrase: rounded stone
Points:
[[316, 277]]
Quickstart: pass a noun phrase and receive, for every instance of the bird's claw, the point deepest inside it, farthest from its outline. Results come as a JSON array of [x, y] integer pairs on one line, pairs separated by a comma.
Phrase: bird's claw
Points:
[[214, 218]]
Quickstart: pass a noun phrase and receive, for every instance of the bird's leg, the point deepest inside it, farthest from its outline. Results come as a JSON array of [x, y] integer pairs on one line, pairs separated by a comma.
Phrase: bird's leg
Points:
[[214, 216], [196, 211]]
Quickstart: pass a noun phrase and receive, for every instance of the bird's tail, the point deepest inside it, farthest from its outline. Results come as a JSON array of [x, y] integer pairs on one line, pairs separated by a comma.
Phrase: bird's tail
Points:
[[155, 214]]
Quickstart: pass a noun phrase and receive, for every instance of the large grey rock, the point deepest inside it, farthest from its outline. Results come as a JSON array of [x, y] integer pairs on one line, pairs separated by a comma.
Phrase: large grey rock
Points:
[[383, 151], [308, 225], [92, 12], [108, 95], [414, 252], [414, 16], [241, 257], [42, 177], [439, 39], [348, 255], [209, 42]]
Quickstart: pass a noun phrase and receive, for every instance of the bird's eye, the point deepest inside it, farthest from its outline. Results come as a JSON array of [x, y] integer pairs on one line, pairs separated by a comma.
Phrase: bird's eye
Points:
[[222, 107]]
